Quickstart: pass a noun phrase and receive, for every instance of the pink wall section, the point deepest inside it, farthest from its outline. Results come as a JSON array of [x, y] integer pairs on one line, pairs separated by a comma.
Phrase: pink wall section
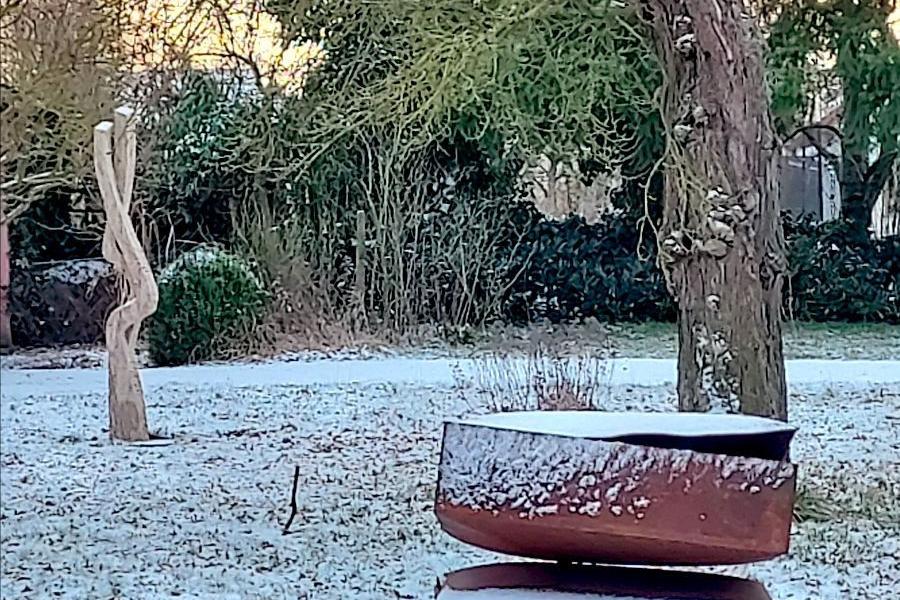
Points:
[[5, 333]]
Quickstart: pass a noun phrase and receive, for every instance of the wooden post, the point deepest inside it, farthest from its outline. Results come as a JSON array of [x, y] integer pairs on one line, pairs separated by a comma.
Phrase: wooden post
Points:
[[360, 285], [121, 247]]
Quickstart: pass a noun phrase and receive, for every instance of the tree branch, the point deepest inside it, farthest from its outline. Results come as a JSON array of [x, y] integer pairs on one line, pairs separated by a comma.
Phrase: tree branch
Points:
[[287, 526], [876, 176], [36, 185], [245, 60], [30, 179], [16, 212]]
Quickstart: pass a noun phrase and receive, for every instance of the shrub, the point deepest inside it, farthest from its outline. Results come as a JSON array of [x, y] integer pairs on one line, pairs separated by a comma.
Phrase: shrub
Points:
[[205, 296], [193, 161], [447, 240], [836, 276], [570, 270]]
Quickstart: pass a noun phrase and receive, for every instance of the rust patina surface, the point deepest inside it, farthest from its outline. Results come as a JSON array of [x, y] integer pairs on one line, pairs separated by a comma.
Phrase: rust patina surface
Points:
[[567, 497]]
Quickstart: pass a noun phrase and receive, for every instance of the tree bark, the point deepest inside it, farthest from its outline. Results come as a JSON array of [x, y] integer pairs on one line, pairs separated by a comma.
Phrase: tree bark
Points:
[[121, 247], [861, 185], [856, 207], [721, 244]]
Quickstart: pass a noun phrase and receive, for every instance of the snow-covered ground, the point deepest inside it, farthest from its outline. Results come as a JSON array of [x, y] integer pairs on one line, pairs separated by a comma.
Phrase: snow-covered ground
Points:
[[425, 371], [833, 341], [202, 517]]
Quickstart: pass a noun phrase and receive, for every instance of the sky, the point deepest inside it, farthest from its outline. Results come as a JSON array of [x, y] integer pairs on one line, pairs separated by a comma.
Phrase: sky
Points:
[[252, 34]]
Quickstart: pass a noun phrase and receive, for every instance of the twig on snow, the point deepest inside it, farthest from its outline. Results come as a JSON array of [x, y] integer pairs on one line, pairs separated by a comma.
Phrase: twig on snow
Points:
[[287, 526]]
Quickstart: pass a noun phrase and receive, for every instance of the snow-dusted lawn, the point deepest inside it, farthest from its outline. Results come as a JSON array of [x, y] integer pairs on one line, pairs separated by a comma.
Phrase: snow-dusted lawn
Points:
[[201, 518]]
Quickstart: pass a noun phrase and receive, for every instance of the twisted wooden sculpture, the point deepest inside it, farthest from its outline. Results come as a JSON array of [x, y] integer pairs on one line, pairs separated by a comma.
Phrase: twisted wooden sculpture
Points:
[[121, 247]]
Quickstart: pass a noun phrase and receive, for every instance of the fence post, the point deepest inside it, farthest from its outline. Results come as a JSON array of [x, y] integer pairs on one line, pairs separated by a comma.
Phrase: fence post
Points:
[[360, 284]]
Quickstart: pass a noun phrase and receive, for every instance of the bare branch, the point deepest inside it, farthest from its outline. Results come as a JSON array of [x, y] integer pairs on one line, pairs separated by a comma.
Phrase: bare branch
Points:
[[877, 175], [21, 207], [287, 526], [35, 179]]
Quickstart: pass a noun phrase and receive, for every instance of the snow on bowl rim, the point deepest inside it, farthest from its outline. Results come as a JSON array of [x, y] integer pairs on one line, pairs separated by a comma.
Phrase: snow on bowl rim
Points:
[[589, 424]]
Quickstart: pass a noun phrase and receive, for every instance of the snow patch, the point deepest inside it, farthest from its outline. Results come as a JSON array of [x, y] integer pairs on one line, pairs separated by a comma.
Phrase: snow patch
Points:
[[78, 272], [606, 425]]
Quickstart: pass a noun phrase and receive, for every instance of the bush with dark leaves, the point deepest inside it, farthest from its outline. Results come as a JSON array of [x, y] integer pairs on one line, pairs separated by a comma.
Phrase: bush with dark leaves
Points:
[[837, 276], [571, 270]]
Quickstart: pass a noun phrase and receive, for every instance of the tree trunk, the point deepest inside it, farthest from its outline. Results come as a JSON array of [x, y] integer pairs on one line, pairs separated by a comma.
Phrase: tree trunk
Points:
[[861, 185], [721, 244], [857, 199]]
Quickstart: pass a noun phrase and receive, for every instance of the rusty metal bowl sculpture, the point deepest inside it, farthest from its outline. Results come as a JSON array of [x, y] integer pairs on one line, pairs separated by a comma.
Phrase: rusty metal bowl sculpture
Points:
[[651, 489], [595, 582]]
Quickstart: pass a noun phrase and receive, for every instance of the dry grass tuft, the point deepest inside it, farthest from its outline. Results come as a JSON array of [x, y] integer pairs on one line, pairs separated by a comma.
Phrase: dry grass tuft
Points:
[[548, 377]]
